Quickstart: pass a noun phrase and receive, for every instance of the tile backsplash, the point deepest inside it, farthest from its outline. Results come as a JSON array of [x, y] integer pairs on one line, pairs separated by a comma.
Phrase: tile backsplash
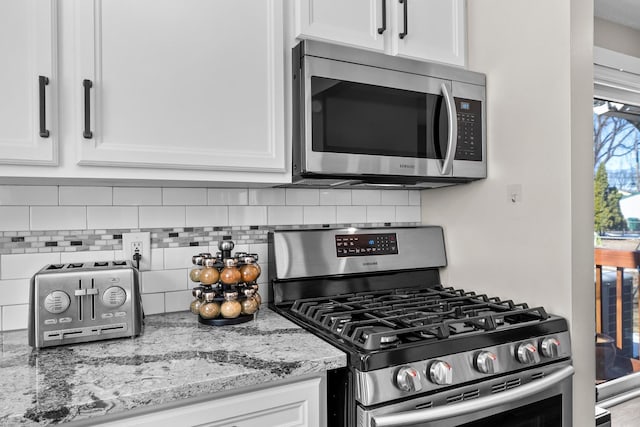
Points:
[[42, 225]]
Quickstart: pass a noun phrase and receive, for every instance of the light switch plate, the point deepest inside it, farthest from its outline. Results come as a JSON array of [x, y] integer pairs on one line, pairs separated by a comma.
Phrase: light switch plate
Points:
[[514, 193]]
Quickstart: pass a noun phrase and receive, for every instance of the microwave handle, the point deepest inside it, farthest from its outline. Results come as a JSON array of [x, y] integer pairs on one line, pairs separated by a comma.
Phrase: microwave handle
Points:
[[419, 416], [452, 140]]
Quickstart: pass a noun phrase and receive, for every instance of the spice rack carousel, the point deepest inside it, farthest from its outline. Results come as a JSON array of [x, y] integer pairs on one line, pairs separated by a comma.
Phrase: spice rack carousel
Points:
[[227, 292]]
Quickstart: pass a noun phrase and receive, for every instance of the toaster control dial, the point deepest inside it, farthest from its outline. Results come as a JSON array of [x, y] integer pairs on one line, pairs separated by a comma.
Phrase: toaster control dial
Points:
[[114, 297], [57, 302]]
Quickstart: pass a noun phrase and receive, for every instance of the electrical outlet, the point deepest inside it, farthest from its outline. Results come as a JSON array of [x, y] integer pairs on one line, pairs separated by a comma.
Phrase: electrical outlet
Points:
[[142, 243]]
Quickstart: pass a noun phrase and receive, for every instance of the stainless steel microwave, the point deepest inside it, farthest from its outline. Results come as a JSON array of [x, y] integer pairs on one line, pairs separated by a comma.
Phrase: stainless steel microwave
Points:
[[364, 119]]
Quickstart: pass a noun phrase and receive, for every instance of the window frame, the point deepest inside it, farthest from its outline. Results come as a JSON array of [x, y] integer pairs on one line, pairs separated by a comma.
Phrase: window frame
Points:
[[616, 77]]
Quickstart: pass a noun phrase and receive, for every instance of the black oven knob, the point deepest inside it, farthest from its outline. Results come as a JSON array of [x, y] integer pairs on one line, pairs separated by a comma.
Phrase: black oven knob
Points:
[[487, 362], [527, 353], [550, 347], [408, 379], [440, 372]]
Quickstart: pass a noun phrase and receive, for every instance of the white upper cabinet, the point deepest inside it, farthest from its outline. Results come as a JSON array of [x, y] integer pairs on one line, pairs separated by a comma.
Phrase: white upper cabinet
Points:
[[354, 22], [28, 82], [433, 30], [181, 84]]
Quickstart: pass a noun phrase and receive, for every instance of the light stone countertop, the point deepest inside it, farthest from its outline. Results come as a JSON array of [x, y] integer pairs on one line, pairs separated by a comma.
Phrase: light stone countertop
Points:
[[175, 358]]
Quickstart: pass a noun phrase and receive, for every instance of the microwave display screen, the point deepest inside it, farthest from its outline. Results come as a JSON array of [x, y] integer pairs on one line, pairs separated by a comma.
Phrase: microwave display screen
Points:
[[366, 244], [358, 118]]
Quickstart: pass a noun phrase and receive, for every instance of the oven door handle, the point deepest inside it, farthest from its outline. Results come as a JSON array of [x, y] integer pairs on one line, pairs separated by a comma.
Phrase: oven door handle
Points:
[[452, 138], [433, 414]]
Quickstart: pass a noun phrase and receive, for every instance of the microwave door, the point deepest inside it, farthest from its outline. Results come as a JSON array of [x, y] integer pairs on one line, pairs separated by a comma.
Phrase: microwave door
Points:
[[361, 120]]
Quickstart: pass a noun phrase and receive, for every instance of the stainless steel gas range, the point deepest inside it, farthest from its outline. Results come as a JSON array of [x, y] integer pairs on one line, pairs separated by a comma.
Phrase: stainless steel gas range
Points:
[[419, 353]]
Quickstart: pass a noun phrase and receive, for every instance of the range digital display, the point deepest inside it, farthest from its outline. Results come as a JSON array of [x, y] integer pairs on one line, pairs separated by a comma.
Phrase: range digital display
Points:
[[366, 244]]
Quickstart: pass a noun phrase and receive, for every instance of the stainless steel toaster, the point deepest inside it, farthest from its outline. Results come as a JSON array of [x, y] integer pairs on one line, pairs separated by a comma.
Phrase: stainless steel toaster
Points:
[[81, 302]]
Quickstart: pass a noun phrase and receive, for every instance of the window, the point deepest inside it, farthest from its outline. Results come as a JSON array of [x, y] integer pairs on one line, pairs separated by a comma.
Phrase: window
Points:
[[616, 143]]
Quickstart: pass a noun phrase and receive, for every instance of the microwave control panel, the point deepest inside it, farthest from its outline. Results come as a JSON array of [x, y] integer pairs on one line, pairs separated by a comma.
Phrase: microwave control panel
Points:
[[469, 129]]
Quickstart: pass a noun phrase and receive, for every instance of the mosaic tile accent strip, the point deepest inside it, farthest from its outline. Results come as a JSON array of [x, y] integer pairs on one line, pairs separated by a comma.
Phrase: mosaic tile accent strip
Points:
[[20, 242]]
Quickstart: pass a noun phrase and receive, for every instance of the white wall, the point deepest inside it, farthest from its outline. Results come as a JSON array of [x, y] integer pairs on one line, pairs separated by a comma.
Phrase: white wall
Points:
[[616, 37], [538, 61]]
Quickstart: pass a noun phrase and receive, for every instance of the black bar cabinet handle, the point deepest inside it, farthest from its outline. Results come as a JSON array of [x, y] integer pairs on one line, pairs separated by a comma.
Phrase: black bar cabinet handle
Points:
[[42, 82], [384, 18], [87, 109], [406, 31]]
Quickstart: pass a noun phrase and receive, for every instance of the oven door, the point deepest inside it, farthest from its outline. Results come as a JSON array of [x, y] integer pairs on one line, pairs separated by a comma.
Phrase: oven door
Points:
[[544, 402]]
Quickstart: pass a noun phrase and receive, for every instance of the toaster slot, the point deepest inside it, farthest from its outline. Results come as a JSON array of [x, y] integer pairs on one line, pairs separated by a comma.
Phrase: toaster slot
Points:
[[93, 292], [80, 293]]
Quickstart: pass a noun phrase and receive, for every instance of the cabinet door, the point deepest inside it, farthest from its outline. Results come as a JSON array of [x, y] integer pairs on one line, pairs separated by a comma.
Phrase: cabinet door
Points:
[[353, 22], [435, 30], [294, 405], [28, 118], [180, 84]]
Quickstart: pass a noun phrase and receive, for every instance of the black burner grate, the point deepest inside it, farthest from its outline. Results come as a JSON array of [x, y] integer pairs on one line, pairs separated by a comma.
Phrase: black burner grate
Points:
[[390, 318]]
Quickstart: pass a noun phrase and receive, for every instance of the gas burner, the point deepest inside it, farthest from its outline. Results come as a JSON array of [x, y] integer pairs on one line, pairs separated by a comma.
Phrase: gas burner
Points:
[[378, 336], [336, 322]]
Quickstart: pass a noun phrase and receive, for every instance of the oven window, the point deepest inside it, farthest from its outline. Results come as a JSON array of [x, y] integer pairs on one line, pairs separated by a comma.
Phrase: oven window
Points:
[[544, 413], [356, 118]]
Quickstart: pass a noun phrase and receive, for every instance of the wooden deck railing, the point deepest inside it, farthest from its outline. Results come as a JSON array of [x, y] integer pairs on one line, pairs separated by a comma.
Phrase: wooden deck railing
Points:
[[620, 260]]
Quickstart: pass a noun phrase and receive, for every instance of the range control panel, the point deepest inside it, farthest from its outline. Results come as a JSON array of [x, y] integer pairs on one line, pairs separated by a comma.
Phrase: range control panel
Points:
[[348, 245]]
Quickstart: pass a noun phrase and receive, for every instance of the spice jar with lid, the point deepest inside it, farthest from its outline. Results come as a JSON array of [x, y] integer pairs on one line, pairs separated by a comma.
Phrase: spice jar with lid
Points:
[[209, 309], [256, 295], [230, 275], [197, 302], [250, 304], [209, 274], [197, 260], [250, 271], [231, 307], [194, 274]]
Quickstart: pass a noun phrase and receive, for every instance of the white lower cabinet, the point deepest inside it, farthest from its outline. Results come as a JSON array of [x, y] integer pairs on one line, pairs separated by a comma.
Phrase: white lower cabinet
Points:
[[289, 405]]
